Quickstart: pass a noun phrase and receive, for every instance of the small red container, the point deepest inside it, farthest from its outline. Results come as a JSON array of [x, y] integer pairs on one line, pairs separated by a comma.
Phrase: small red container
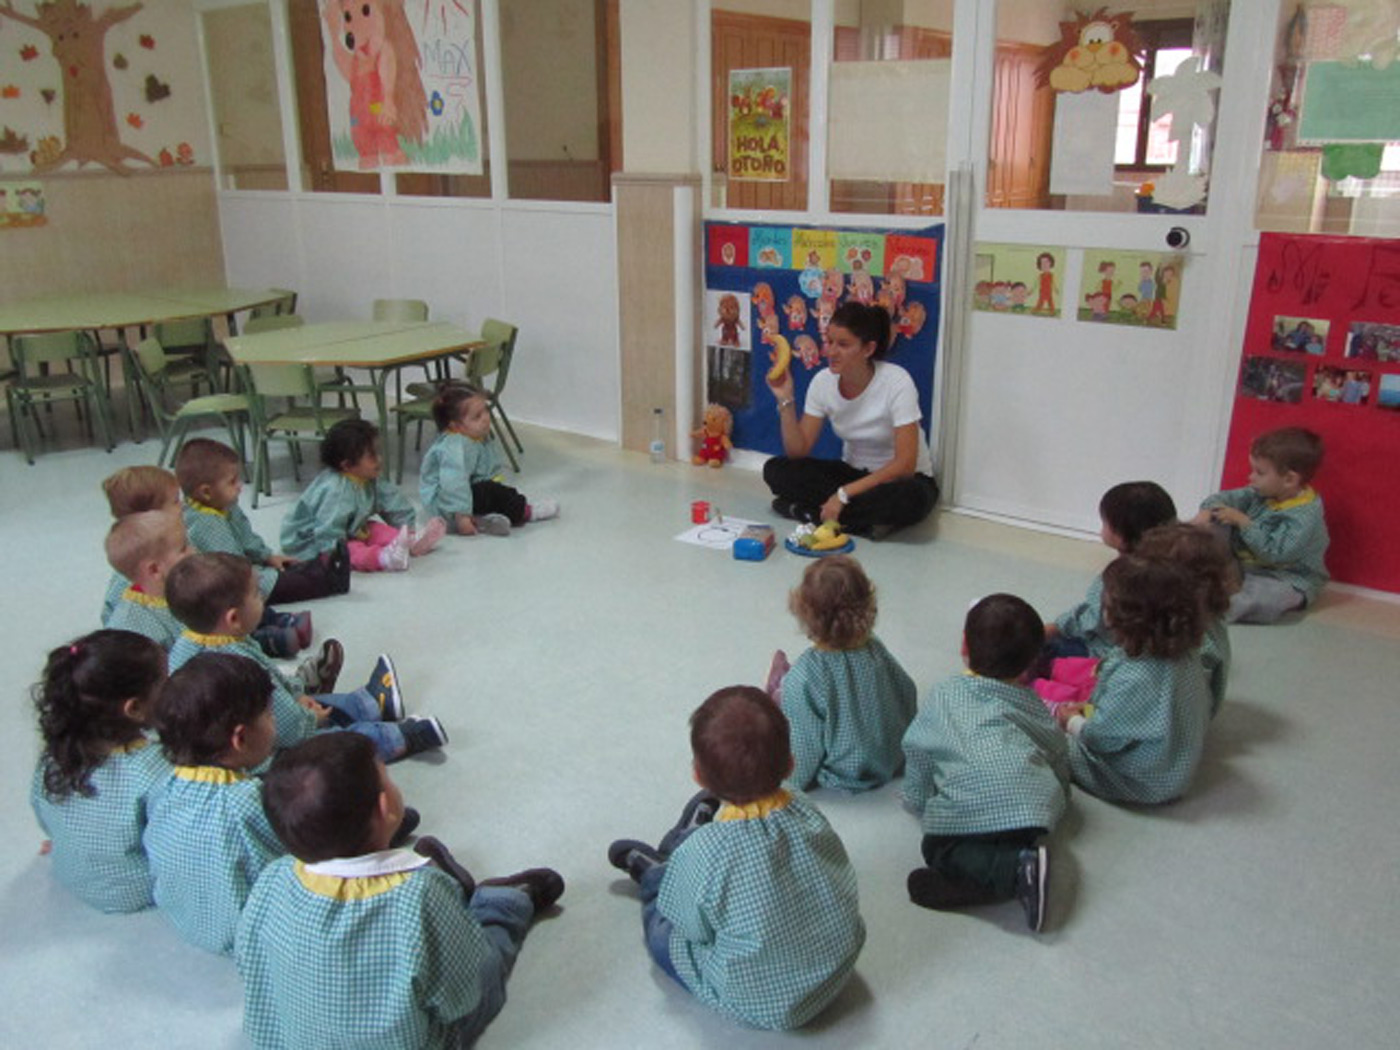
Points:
[[700, 511]]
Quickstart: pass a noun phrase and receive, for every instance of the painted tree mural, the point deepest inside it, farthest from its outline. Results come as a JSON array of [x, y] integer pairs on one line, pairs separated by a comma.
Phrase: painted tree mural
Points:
[[79, 41]]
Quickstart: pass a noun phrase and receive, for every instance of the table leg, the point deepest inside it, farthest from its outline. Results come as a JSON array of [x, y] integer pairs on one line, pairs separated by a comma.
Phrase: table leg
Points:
[[131, 335]]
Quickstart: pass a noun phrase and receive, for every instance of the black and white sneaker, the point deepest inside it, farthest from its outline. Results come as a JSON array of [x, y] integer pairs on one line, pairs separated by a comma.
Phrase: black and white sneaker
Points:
[[635, 858], [701, 809], [1032, 883]]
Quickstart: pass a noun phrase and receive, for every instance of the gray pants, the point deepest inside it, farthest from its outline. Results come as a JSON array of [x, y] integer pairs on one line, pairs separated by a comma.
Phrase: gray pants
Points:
[[1263, 599]]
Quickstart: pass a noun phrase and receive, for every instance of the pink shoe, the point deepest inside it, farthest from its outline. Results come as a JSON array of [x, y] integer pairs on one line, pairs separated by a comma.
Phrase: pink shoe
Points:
[[428, 538]]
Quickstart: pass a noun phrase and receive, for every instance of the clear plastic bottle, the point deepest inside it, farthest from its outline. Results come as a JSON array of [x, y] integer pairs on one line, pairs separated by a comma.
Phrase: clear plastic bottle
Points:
[[658, 436]]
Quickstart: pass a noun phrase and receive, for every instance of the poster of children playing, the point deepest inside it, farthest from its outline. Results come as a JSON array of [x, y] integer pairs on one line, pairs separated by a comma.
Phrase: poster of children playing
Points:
[[1133, 288], [1018, 279]]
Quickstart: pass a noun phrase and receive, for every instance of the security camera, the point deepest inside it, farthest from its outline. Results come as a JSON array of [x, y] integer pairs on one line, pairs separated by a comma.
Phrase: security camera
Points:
[[1178, 237]]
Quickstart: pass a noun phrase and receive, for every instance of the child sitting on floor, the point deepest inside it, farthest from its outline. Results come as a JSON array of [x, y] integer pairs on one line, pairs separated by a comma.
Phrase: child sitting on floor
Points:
[[208, 839], [1142, 738], [1198, 551], [130, 491], [987, 770], [349, 942], [1276, 527], [847, 700], [345, 502], [216, 597], [143, 547], [755, 911], [462, 477], [98, 772]]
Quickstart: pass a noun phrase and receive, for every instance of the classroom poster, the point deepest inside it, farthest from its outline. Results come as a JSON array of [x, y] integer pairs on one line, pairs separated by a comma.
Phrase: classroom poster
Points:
[[751, 303], [402, 88], [1017, 279], [1322, 350], [758, 124], [1131, 287]]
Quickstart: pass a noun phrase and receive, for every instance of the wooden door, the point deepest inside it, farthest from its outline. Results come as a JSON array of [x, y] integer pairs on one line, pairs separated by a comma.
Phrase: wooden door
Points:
[[1023, 115]]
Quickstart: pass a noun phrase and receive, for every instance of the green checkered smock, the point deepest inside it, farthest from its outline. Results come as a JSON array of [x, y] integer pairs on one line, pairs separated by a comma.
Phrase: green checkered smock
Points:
[[388, 961], [294, 722], [450, 466], [97, 854], [1286, 539], [767, 924], [336, 507], [984, 756], [1145, 737], [847, 710], [1085, 621], [208, 840], [229, 532], [1215, 661], [144, 614], [115, 585]]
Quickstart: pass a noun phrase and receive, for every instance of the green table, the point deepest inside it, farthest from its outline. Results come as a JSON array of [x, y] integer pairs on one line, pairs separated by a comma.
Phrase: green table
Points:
[[381, 347]]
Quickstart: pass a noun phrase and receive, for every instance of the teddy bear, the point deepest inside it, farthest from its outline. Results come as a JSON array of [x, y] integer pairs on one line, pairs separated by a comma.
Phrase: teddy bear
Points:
[[713, 436]]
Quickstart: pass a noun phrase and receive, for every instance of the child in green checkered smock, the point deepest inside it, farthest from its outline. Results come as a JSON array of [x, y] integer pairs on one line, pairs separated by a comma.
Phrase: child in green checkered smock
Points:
[[462, 478], [987, 770], [1276, 527], [98, 775], [1141, 737], [132, 490], [348, 502], [208, 839], [750, 902], [349, 942], [144, 547], [847, 699]]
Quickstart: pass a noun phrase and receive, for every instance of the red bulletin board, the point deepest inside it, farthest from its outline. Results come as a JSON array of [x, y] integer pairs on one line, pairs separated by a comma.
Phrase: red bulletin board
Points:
[[1353, 286]]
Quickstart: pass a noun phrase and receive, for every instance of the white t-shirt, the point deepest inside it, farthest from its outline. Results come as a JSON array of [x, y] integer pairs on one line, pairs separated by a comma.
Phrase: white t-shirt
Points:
[[865, 424]]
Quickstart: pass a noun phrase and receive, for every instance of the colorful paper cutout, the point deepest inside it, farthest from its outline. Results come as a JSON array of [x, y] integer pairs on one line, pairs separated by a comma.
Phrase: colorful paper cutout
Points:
[[1361, 160], [1098, 52]]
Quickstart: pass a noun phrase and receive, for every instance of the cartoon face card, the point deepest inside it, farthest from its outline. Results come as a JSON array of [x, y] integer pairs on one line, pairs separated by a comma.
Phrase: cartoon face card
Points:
[[1018, 279], [1133, 288]]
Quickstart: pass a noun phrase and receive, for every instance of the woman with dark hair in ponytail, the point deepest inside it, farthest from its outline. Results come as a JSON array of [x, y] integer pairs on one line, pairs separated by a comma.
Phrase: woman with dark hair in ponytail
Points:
[[884, 479]]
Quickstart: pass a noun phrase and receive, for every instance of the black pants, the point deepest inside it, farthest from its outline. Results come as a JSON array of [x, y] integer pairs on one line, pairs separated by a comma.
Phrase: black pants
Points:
[[491, 497], [808, 483], [984, 863], [325, 575]]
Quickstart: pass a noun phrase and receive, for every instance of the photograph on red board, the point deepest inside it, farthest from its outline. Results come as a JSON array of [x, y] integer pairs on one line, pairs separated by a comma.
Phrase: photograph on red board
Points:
[[1389, 394], [1300, 335], [1342, 386], [1269, 379], [1374, 342]]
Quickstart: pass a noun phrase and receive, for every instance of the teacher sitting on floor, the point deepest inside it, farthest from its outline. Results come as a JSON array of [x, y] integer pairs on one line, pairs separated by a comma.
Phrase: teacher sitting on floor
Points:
[[884, 479]]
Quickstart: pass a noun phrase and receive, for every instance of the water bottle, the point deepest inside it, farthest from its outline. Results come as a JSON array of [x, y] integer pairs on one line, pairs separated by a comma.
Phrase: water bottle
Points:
[[658, 436]]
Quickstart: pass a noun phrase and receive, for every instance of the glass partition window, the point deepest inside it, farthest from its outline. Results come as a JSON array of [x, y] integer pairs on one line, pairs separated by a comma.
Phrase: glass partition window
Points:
[[243, 96]]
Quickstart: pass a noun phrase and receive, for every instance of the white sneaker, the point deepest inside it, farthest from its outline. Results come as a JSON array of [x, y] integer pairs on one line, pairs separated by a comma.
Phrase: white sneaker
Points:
[[394, 557], [428, 537], [544, 509], [492, 525]]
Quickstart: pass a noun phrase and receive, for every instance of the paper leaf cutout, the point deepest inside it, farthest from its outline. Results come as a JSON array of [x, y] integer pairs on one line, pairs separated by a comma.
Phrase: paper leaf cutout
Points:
[[155, 90], [119, 61], [134, 119], [1185, 97], [49, 94], [147, 41], [1361, 160], [28, 52], [13, 142], [9, 91]]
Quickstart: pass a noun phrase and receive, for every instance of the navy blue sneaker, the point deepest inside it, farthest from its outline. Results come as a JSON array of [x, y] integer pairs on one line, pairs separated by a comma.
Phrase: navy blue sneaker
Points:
[[1032, 882], [383, 685], [701, 809], [635, 858], [442, 857], [543, 886]]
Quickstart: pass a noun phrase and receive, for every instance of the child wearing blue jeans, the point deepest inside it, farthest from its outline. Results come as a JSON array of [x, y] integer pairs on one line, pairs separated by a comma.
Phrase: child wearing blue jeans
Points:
[[351, 942], [750, 902]]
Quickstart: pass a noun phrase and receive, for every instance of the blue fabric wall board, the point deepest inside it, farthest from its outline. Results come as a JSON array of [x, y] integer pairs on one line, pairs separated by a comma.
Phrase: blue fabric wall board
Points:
[[786, 281]]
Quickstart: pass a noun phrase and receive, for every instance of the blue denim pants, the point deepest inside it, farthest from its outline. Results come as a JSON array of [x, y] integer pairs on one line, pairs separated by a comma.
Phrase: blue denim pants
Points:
[[505, 914], [359, 712]]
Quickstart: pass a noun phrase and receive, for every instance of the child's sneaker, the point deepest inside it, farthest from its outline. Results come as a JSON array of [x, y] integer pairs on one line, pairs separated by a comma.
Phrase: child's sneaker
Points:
[[635, 858], [319, 673], [543, 886], [492, 525], [427, 537], [701, 809], [280, 643], [407, 826], [299, 622], [383, 685], [394, 556], [422, 734], [442, 857], [1032, 879], [543, 510]]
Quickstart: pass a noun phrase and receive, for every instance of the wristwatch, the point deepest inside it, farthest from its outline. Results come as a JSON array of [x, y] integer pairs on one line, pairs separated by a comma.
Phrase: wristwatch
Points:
[[843, 496]]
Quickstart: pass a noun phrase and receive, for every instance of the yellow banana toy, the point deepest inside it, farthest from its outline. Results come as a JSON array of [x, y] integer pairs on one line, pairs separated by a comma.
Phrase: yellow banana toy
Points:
[[781, 356]]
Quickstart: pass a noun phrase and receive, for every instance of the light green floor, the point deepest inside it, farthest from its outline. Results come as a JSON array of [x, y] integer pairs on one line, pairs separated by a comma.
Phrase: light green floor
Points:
[[1258, 912]]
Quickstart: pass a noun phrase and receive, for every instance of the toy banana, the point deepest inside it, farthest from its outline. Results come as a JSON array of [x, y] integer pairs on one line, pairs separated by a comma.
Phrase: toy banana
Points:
[[782, 357], [827, 536]]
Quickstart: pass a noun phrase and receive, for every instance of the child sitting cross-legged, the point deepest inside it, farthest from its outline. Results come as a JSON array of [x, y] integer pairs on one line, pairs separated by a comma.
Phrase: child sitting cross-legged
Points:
[[216, 597], [144, 547], [207, 838], [211, 478], [351, 942], [847, 700], [348, 502], [987, 770], [462, 479], [130, 491], [750, 901], [98, 773]]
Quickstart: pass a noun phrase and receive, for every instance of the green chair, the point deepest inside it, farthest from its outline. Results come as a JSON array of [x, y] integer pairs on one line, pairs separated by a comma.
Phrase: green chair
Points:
[[400, 310], [302, 417], [52, 367], [190, 337], [417, 410], [490, 371], [287, 304], [271, 322], [153, 372]]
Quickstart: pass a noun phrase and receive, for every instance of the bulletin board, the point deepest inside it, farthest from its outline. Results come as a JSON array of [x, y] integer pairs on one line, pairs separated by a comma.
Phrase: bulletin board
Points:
[[1322, 350], [764, 283]]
